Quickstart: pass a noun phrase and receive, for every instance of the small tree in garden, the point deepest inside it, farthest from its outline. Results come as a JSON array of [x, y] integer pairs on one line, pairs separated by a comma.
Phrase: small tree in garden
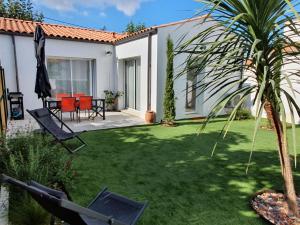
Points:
[[169, 97], [131, 27], [20, 9], [251, 36]]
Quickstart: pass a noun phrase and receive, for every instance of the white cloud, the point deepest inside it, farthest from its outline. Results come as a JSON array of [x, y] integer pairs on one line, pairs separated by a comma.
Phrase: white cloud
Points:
[[102, 14], [85, 13], [128, 7]]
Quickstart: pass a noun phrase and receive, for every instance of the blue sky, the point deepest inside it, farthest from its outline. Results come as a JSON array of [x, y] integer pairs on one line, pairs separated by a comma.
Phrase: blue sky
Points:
[[115, 14]]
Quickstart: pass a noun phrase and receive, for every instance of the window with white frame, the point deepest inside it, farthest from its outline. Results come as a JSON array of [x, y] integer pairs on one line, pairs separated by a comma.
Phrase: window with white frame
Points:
[[70, 76]]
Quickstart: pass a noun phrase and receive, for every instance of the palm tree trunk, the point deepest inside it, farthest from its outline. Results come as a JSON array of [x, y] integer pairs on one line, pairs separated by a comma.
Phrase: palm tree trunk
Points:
[[268, 109], [286, 168]]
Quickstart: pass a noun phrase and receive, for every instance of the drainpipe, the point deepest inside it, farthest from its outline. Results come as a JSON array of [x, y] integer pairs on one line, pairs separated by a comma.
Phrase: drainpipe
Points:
[[149, 71], [16, 61]]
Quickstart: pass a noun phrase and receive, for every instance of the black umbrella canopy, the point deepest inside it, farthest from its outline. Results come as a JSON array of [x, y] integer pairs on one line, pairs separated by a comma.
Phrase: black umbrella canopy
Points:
[[42, 84]]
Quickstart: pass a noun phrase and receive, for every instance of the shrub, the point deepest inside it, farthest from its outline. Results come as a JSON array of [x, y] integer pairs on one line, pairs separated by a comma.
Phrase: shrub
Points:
[[111, 98], [29, 156], [28, 212], [169, 97], [243, 114]]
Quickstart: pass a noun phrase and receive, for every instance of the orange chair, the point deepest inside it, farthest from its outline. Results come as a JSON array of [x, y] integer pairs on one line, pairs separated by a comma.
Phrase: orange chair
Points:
[[85, 104], [68, 104]]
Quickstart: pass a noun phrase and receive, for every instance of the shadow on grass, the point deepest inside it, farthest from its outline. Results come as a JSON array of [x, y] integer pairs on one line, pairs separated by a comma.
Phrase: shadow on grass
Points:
[[173, 170]]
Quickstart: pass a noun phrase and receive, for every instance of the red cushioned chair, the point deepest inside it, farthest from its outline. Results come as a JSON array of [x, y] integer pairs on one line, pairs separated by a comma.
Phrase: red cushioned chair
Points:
[[68, 104], [85, 104]]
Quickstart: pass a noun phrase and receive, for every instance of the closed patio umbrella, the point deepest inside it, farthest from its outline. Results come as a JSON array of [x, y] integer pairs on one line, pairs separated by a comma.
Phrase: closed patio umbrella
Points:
[[42, 84]]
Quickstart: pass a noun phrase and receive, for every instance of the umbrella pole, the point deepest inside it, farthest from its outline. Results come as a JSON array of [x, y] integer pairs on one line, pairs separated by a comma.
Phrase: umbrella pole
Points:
[[44, 103]]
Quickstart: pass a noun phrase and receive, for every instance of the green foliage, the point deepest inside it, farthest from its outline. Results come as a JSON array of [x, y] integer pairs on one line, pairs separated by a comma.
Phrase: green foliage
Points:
[[31, 156], [20, 9], [2, 8], [169, 97], [132, 27], [242, 114], [28, 212], [28, 156], [111, 99], [111, 96]]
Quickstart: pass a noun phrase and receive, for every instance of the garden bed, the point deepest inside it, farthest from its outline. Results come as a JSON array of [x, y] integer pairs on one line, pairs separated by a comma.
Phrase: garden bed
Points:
[[272, 206]]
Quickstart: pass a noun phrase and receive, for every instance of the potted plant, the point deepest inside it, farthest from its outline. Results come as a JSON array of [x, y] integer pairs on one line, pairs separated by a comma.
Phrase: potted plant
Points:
[[111, 99]]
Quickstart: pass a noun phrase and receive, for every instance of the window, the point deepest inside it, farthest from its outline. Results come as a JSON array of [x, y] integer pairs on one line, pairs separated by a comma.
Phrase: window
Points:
[[132, 84], [191, 86], [70, 76]]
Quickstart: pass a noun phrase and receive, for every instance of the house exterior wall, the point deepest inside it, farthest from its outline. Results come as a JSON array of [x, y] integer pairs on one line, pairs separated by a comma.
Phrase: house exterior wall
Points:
[[138, 49], [293, 68], [176, 32], [105, 73], [7, 61], [290, 68]]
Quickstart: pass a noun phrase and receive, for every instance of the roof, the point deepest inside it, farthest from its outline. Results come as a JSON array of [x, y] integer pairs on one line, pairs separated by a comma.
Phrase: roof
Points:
[[149, 29], [23, 27]]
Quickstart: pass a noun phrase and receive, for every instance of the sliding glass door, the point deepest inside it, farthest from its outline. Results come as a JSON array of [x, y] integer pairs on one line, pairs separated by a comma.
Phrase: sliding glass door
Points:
[[132, 84], [70, 76]]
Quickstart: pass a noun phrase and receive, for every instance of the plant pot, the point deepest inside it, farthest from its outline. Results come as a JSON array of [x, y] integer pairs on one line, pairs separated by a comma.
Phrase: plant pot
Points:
[[115, 105], [4, 203], [149, 117]]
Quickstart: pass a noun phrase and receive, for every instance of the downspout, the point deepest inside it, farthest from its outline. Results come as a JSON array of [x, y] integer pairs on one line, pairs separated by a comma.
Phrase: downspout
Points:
[[149, 71], [16, 62]]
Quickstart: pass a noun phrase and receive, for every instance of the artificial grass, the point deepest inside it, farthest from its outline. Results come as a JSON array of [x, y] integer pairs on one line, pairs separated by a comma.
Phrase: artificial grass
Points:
[[172, 168]]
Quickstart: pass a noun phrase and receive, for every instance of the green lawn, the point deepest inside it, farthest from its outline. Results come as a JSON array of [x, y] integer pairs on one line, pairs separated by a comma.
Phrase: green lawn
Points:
[[173, 170]]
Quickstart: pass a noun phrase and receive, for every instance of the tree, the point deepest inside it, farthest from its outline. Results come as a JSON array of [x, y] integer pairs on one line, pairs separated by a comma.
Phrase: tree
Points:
[[132, 27], [251, 36], [20, 9], [2, 8], [169, 97]]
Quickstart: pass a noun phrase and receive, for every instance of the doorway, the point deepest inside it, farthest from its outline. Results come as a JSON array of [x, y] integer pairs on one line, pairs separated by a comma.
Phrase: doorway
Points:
[[132, 84]]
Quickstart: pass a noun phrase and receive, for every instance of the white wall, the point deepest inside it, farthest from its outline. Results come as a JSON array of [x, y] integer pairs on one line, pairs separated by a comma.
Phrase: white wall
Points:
[[138, 49], [105, 72], [293, 68], [7, 61], [176, 32], [287, 69]]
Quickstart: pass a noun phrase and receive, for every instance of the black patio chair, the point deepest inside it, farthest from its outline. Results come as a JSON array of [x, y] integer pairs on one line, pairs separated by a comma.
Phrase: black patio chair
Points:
[[44, 117], [106, 209]]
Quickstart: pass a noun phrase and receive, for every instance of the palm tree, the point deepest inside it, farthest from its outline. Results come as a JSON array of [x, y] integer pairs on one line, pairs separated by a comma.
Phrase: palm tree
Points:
[[257, 37]]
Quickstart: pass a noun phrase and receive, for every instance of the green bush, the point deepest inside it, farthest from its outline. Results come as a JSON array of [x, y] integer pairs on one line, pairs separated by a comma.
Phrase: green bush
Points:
[[243, 114], [29, 156], [28, 212], [169, 96]]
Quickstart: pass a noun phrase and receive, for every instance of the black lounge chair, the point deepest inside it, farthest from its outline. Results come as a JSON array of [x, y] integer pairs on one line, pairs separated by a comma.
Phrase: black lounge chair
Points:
[[106, 209], [44, 117]]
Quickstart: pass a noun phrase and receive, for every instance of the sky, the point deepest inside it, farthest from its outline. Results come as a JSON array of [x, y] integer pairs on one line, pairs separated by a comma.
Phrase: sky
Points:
[[116, 14]]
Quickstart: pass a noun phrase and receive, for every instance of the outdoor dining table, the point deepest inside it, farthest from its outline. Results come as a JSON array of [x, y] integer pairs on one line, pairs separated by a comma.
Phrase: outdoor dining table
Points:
[[98, 106]]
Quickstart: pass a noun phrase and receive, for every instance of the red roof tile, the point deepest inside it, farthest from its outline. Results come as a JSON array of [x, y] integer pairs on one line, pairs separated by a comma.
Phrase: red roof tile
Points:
[[23, 27], [162, 26]]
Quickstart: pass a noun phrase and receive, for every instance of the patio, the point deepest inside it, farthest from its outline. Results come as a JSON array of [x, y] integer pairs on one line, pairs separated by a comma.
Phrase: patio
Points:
[[113, 120]]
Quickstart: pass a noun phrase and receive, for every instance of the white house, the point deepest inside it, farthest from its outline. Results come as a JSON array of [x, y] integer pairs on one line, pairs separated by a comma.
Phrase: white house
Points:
[[90, 61]]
